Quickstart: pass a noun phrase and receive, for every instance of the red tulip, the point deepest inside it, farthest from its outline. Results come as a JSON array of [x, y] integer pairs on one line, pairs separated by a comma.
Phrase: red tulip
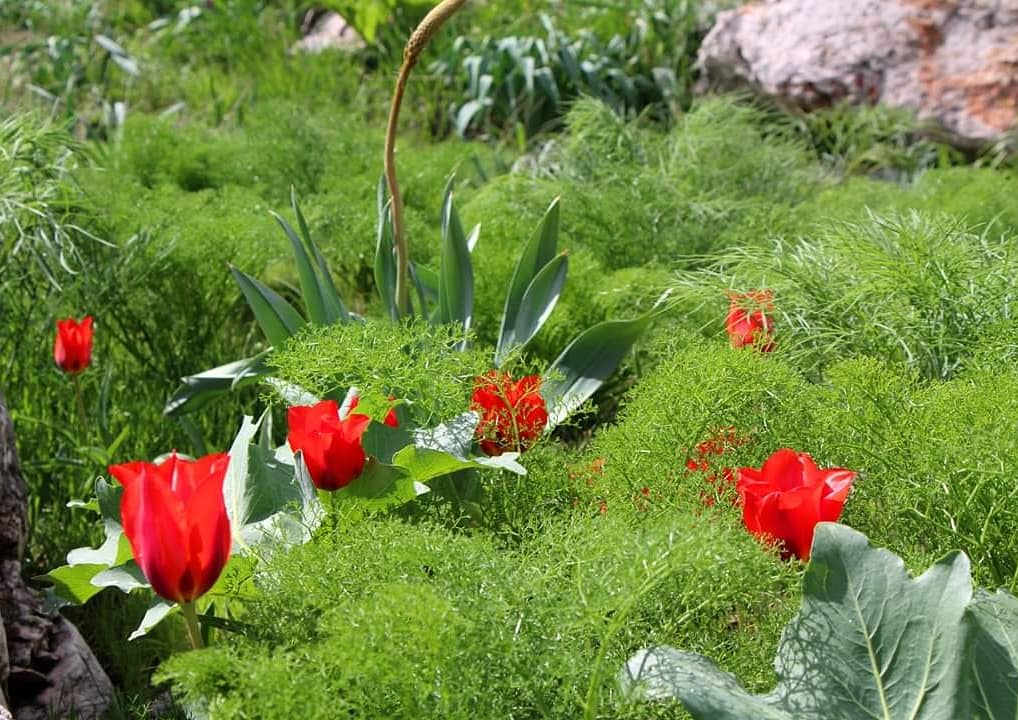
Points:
[[747, 321], [72, 348], [175, 518], [513, 414], [331, 447], [785, 499]]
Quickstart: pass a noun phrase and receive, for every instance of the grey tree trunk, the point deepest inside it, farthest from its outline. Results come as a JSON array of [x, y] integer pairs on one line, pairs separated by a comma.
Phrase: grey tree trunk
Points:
[[46, 668]]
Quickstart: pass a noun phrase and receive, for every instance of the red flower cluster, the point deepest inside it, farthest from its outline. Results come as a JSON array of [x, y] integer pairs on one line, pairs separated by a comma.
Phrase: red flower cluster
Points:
[[747, 323], [716, 446], [72, 348], [331, 447], [513, 413], [785, 499], [175, 518]]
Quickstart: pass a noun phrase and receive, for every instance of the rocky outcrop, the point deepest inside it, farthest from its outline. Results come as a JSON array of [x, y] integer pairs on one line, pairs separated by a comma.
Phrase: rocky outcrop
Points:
[[954, 62], [327, 31], [47, 668]]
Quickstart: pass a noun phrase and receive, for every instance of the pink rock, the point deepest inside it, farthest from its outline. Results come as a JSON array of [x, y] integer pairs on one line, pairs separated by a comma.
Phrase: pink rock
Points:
[[953, 62]]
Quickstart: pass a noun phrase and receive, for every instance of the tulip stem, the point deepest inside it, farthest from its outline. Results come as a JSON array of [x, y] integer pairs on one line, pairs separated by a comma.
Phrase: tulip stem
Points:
[[80, 401], [191, 624]]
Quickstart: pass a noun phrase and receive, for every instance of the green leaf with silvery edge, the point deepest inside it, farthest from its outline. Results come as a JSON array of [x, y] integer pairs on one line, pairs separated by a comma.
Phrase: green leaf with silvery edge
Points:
[[385, 249], [157, 611], [76, 582], [538, 302], [537, 253], [456, 272], [310, 289], [587, 362], [198, 390], [869, 643], [274, 315], [264, 494], [454, 439], [335, 310]]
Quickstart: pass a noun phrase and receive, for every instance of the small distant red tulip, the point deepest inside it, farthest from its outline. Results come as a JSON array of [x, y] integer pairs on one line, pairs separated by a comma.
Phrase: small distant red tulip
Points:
[[747, 323], [175, 518], [513, 414], [331, 447], [785, 499], [72, 348]]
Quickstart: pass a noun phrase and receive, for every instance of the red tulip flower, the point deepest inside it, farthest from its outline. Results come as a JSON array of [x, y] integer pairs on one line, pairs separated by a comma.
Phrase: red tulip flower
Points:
[[331, 447], [747, 322], [175, 518], [72, 348], [785, 499], [513, 414]]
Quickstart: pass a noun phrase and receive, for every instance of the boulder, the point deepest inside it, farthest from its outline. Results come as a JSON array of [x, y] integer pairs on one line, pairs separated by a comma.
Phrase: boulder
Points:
[[953, 62], [48, 669], [327, 31]]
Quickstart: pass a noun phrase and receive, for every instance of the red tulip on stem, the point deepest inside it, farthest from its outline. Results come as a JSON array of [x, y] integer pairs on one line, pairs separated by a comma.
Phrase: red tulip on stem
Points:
[[174, 516], [72, 352]]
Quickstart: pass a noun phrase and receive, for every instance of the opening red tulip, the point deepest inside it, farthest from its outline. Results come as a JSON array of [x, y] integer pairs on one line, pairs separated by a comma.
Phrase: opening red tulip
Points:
[[747, 323], [72, 348], [174, 516], [331, 447], [785, 499]]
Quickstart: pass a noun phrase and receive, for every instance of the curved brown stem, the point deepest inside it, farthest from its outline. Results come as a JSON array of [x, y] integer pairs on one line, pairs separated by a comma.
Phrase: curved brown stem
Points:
[[419, 40]]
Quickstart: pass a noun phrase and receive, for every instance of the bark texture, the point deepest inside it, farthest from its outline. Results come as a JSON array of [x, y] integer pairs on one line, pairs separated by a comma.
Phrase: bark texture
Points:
[[48, 669], [954, 62]]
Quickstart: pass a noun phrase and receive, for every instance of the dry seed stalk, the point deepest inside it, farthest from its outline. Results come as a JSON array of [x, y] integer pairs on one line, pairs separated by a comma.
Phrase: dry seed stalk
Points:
[[419, 40]]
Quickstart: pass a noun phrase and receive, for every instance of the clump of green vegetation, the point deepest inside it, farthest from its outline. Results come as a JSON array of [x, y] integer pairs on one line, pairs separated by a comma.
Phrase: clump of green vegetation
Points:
[[919, 289], [414, 362], [390, 619], [930, 457]]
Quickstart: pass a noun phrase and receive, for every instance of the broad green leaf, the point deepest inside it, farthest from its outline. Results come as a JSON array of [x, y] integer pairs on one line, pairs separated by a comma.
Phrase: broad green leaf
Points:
[[424, 465], [309, 287], [274, 315], [198, 390], [385, 257], [291, 393], [73, 583], [537, 253], [126, 577], [990, 676], [456, 273], [115, 548], [538, 301], [380, 487], [454, 437], [259, 489], [158, 611], [382, 442], [335, 310], [869, 643], [587, 362]]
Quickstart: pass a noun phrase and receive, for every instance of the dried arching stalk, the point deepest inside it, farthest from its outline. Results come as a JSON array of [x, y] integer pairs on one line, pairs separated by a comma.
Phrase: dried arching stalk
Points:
[[419, 40]]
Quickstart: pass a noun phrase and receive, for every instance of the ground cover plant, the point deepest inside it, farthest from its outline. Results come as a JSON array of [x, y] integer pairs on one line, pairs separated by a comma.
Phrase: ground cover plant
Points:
[[543, 469]]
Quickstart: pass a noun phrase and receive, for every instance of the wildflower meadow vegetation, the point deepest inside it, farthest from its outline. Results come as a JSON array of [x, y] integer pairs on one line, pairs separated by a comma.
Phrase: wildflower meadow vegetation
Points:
[[503, 377]]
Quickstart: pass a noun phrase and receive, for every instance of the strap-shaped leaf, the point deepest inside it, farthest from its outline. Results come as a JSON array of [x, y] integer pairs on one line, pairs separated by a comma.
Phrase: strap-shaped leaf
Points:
[[309, 287], [537, 253], [869, 643], [535, 308], [274, 315], [456, 273], [335, 309], [587, 362], [385, 258], [197, 390]]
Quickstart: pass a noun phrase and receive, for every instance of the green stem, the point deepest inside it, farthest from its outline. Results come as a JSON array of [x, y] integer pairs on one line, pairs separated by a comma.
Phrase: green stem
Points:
[[191, 624], [80, 402]]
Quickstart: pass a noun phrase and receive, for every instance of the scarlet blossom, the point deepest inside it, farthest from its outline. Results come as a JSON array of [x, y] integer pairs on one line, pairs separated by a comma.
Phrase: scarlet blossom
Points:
[[331, 447], [175, 518], [513, 413], [72, 348], [747, 323], [785, 499], [390, 417]]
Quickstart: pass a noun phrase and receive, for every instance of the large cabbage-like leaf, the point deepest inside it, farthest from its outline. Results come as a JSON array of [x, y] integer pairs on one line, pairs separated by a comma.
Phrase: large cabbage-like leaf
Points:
[[869, 643]]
